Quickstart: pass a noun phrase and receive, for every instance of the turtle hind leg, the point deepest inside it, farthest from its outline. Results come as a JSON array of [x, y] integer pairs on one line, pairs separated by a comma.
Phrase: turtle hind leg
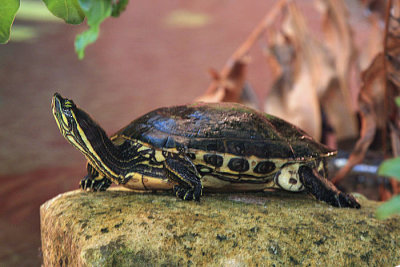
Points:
[[94, 181], [324, 190], [189, 185]]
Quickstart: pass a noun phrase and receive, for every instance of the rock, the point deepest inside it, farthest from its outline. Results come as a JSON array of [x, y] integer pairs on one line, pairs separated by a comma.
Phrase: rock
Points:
[[123, 228]]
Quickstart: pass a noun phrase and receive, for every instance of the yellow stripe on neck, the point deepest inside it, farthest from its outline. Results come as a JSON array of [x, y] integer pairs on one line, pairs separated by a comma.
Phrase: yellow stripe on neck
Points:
[[92, 156]]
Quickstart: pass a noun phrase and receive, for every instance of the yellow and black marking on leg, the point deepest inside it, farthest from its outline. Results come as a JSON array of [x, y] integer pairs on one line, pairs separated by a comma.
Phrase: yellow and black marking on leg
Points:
[[189, 185], [94, 181]]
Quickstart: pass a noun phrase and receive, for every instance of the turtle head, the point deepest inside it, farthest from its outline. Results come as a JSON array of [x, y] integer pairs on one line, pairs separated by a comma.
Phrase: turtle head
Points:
[[75, 125], [87, 136], [64, 111]]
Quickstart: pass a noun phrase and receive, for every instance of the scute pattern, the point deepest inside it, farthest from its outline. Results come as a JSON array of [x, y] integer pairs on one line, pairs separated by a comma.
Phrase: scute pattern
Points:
[[264, 167], [214, 160], [224, 128], [238, 165], [236, 147]]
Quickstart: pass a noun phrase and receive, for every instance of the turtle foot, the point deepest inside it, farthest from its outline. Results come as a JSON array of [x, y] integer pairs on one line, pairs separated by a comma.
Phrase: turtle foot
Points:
[[346, 201], [187, 193], [90, 184], [323, 189], [189, 186]]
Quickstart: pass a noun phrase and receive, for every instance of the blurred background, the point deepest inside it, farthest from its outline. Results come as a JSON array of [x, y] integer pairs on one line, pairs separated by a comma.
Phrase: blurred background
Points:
[[157, 53]]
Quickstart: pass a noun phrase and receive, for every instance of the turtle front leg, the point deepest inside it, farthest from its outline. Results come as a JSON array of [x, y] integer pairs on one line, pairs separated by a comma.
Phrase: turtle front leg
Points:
[[189, 185], [94, 181], [324, 190]]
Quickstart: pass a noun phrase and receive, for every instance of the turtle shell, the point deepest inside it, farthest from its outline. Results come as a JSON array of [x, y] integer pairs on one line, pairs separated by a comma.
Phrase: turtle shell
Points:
[[224, 128]]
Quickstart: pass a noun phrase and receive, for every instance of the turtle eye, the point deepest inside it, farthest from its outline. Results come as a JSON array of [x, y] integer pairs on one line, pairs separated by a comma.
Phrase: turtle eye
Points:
[[68, 104]]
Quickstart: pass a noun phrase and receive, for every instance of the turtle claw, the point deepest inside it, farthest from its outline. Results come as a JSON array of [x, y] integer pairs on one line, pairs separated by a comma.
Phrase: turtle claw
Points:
[[187, 193], [88, 183], [347, 201], [93, 181], [179, 191]]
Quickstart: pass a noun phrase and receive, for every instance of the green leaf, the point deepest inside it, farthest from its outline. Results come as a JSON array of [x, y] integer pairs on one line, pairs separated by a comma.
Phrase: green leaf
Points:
[[68, 10], [389, 208], [96, 11], [84, 39], [119, 7], [8, 9], [397, 100], [390, 168], [35, 11]]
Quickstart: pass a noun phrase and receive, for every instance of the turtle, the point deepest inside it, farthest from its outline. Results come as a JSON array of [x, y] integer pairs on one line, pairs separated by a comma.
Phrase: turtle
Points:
[[216, 147]]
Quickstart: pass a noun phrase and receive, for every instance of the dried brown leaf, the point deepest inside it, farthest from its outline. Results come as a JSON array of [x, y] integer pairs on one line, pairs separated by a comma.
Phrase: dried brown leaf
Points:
[[373, 79], [380, 86], [367, 134], [374, 46], [339, 42], [305, 72], [392, 68], [370, 108], [231, 88], [384, 194], [376, 6], [230, 84]]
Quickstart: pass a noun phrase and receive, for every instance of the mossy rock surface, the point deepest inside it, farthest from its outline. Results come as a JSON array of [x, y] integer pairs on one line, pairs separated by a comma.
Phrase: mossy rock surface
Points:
[[123, 228]]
